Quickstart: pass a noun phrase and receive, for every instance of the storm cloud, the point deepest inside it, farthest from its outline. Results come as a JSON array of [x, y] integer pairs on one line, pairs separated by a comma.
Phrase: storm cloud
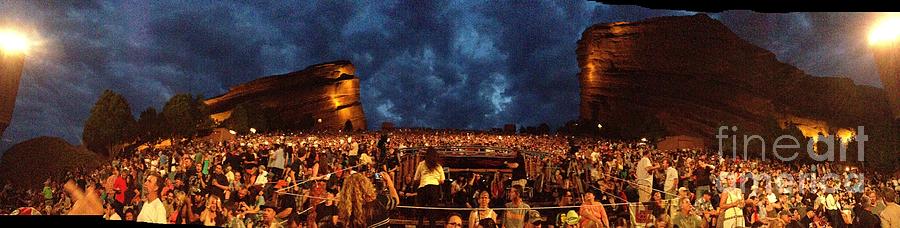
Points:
[[440, 64]]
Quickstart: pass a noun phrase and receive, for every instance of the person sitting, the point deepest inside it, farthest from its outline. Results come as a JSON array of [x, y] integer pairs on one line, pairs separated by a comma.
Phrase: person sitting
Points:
[[212, 215], [593, 214], [454, 221], [111, 213], [686, 216], [487, 223]]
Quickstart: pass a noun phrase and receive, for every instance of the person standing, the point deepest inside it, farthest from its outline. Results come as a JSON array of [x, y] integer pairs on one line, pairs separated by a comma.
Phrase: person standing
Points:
[[833, 207], [732, 201], [277, 161], [515, 218], [702, 181], [644, 179], [671, 179], [890, 216], [119, 187], [153, 211], [430, 175], [863, 214], [483, 211]]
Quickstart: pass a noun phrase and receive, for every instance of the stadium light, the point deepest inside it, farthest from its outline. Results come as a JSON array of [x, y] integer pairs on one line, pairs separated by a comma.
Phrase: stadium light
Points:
[[13, 42], [253, 130], [232, 132], [885, 31]]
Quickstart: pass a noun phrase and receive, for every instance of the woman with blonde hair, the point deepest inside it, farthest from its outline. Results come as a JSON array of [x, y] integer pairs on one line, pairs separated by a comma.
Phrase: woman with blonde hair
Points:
[[360, 206], [732, 203], [212, 215]]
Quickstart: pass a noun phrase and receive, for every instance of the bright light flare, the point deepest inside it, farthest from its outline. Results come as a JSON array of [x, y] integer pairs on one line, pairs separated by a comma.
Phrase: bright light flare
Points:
[[886, 30], [13, 42]]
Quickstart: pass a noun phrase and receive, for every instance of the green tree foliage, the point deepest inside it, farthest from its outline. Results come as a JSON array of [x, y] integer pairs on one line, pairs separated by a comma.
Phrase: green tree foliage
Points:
[[245, 116], [204, 122], [185, 116], [151, 125], [147, 120], [110, 123]]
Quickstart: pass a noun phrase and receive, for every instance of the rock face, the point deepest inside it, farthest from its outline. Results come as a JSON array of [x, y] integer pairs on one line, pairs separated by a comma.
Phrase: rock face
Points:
[[887, 58], [30, 163], [10, 73], [693, 74], [327, 91]]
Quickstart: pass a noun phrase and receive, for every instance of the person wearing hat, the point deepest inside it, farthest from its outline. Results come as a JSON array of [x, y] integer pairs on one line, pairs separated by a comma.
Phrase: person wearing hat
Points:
[[674, 205], [535, 218], [569, 219], [269, 220]]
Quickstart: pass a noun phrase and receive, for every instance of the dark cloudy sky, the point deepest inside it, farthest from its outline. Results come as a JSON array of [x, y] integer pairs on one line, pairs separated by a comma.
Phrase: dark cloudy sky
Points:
[[444, 64]]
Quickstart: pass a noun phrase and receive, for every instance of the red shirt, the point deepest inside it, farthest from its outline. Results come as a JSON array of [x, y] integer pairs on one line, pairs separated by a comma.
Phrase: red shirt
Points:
[[120, 184]]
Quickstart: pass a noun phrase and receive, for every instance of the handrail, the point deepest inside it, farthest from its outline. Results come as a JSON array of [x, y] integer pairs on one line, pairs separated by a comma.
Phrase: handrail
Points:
[[478, 149]]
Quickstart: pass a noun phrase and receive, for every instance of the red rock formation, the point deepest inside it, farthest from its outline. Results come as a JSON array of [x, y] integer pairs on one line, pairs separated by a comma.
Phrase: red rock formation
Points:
[[10, 73], [327, 91], [887, 57], [30, 163], [694, 74]]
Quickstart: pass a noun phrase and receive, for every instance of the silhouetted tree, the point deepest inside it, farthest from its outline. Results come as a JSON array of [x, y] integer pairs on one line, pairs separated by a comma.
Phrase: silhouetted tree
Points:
[[146, 123], [185, 116], [110, 123], [245, 116]]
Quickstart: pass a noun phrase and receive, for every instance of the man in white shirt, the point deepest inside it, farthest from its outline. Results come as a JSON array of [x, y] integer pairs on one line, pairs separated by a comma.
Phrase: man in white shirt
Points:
[[277, 161], [671, 179], [644, 179], [153, 210]]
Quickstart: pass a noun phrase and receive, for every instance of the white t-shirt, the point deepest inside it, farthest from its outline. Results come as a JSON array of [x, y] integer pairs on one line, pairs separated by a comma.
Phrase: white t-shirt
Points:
[[114, 217], [262, 179], [671, 176], [642, 172], [277, 159], [153, 212], [427, 177]]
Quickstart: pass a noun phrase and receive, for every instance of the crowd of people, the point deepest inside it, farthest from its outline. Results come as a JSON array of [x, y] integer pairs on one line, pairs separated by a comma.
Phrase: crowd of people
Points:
[[371, 179]]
